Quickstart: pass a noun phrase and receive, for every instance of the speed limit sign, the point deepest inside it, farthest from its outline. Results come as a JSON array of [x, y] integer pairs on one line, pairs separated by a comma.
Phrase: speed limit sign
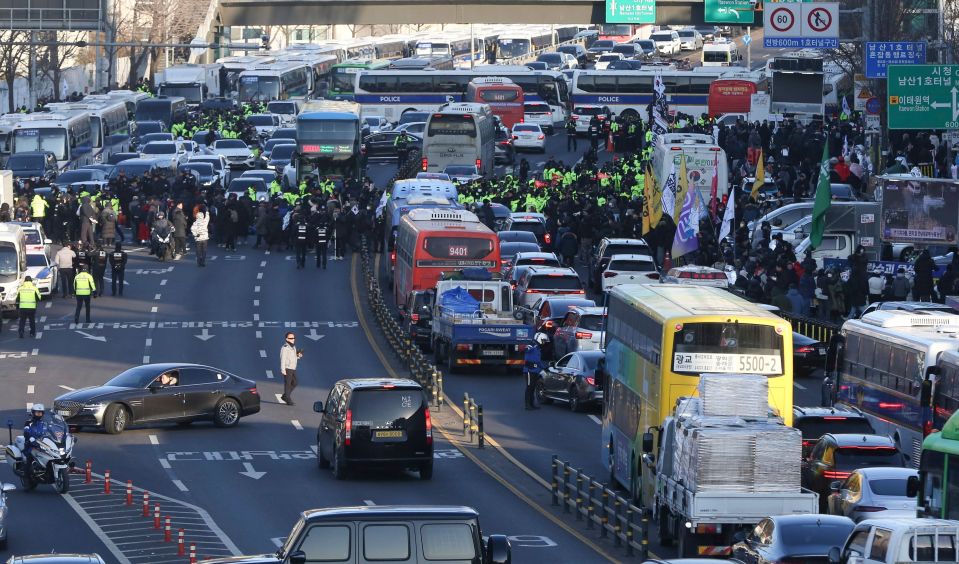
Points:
[[782, 20]]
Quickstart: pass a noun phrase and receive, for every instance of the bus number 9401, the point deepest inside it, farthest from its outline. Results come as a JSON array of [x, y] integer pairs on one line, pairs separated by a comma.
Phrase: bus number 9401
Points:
[[459, 251]]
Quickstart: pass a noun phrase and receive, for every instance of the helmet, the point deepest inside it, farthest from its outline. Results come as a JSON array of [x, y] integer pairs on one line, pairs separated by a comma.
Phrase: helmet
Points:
[[37, 410], [541, 338]]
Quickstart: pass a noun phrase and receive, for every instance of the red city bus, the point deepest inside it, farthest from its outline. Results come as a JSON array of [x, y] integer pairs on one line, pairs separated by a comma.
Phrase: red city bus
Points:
[[431, 241], [732, 95], [504, 97]]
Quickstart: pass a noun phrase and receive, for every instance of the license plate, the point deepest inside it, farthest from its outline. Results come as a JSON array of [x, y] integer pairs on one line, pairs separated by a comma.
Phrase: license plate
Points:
[[63, 412], [493, 352], [822, 350], [388, 434]]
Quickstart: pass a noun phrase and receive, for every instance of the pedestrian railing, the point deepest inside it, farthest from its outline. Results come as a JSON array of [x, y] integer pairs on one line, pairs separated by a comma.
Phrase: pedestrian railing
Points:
[[603, 509], [407, 353], [811, 327], [473, 420]]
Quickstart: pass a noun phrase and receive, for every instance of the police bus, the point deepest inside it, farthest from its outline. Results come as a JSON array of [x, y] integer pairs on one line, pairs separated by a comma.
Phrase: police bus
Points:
[[169, 110], [68, 136], [320, 66], [390, 93], [328, 141], [233, 66], [459, 134], [525, 44], [463, 49], [343, 76], [277, 81], [109, 126]]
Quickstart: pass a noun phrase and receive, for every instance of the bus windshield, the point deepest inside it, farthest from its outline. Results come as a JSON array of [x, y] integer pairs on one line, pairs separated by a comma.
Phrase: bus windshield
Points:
[[509, 48], [259, 88], [343, 78], [727, 348], [330, 131], [193, 93], [441, 124], [715, 56], [41, 139]]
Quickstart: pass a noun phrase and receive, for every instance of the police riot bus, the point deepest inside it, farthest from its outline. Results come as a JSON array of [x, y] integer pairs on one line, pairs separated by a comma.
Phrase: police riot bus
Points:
[[328, 141], [524, 45], [459, 134], [320, 66], [68, 136], [233, 66], [169, 110], [109, 126], [390, 93], [277, 81]]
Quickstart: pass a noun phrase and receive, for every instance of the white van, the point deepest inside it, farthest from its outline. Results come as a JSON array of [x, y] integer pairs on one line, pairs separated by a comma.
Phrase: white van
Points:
[[667, 42], [702, 156], [13, 264], [901, 541], [720, 53]]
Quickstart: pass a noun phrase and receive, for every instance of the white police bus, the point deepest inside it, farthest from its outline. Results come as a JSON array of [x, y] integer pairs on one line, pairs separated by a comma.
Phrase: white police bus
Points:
[[68, 136], [276, 81], [459, 134], [109, 125]]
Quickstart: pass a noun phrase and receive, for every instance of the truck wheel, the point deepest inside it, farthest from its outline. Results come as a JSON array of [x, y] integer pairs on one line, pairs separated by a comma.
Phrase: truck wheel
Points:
[[664, 535], [450, 359]]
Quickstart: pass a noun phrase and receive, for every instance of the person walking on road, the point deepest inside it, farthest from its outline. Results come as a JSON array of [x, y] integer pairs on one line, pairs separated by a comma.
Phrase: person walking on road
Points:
[[118, 266], [201, 234], [179, 231], [27, 299], [83, 287], [571, 144], [289, 355], [65, 258], [301, 237], [88, 220], [533, 365], [99, 259], [321, 234]]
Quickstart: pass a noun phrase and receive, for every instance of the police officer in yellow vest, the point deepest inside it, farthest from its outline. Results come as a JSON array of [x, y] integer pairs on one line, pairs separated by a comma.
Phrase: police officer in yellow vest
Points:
[[38, 208], [83, 288], [27, 298]]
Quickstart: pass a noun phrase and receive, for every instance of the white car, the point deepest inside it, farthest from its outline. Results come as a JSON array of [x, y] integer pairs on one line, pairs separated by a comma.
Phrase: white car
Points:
[[220, 164], [378, 124], [44, 273], [667, 42], [4, 488], [529, 136], [236, 151], [584, 113], [539, 113], [167, 154], [37, 241], [629, 269], [463, 174], [602, 63], [874, 493], [265, 124], [582, 329], [690, 39]]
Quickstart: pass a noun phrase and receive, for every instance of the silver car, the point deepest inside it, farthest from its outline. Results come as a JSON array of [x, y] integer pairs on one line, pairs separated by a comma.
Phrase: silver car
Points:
[[4, 488], [873, 493]]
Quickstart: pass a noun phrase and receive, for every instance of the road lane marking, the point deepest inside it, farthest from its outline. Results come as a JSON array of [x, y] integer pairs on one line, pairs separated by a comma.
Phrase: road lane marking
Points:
[[165, 463], [798, 385], [259, 276], [269, 374], [595, 419], [369, 502], [279, 399], [30, 388], [114, 549], [180, 486], [68, 388], [163, 282], [43, 318], [154, 440], [256, 317], [259, 334], [33, 370], [153, 309], [149, 342], [262, 263], [296, 424], [34, 352], [256, 303], [156, 297], [49, 305], [256, 288], [267, 252], [39, 335], [262, 353], [146, 359]]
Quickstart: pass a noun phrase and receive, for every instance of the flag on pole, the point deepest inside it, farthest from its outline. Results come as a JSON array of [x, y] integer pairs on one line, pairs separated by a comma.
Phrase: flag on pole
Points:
[[845, 146], [687, 227], [660, 108], [845, 108], [668, 196], [683, 183], [726, 229], [760, 177], [655, 203], [823, 200], [714, 189], [647, 196]]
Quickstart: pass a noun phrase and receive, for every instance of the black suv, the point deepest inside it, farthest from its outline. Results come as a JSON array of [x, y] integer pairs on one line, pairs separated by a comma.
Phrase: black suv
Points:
[[39, 167], [416, 316], [835, 457], [814, 422], [415, 534], [607, 247], [375, 422]]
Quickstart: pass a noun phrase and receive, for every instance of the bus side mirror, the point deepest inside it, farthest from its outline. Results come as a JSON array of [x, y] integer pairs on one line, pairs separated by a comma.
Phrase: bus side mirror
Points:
[[647, 442], [925, 391], [834, 555], [912, 486]]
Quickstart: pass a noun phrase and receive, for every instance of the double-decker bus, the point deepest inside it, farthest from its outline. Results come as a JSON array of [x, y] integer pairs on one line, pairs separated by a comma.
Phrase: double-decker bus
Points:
[[109, 124], [343, 76], [659, 339], [390, 93], [68, 136], [502, 95], [431, 241], [328, 140], [883, 362], [628, 93], [460, 134], [276, 81]]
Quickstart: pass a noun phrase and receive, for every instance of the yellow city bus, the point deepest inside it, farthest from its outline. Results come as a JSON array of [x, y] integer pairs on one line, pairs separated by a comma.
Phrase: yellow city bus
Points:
[[659, 339]]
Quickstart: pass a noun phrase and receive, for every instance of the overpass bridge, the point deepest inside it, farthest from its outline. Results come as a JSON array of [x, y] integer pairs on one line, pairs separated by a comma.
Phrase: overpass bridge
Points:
[[318, 12]]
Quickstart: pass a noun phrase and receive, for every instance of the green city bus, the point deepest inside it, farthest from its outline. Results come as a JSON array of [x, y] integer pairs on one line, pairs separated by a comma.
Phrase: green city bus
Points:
[[343, 75], [939, 473]]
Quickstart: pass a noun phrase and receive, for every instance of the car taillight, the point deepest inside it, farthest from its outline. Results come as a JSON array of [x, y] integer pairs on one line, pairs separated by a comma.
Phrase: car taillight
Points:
[[550, 114], [541, 137], [583, 335], [535, 292], [835, 474], [429, 427], [806, 349], [609, 274], [253, 390], [547, 237], [464, 347], [927, 428], [415, 318], [348, 431], [393, 257], [515, 137], [479, 163], [425, 162], [590, 380], [520, 348], [548, 324], [575, 118]]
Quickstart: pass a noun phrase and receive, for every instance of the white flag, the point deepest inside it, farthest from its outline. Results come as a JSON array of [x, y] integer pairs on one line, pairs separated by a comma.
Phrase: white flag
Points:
[[728, 218], [669, 192], [845, 107]]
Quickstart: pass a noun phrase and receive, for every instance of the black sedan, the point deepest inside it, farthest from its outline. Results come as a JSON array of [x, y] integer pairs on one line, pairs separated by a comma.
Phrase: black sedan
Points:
[[572, 379], [383, 145], [808, 355], [161, 393], [793, 538]]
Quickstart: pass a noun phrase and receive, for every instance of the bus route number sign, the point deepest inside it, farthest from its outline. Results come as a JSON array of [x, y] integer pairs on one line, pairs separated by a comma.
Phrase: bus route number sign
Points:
[[727, 363], [459, 251]]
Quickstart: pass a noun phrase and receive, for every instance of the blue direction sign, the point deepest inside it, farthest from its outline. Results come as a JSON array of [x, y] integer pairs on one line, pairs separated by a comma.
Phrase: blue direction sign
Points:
[[630, 11], [881, 54]]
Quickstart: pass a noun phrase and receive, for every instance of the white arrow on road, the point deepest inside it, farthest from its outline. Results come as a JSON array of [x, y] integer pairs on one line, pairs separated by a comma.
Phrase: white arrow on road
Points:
[[205, 336], [251, 473], [100, 338], [313, 335]]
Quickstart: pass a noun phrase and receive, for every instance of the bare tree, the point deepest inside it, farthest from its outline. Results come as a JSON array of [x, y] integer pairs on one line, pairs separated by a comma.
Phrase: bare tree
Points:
[[60, 50], [12, 60]]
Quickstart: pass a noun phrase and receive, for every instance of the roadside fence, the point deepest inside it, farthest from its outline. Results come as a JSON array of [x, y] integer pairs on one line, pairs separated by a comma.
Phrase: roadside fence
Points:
[[603, 509], [811, 327], [473, 421]]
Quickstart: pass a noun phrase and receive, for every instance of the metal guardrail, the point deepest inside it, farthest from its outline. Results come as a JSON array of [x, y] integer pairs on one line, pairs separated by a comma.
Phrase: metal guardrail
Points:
[[406, 351], [822, 331], [601, 507], [473, 420]]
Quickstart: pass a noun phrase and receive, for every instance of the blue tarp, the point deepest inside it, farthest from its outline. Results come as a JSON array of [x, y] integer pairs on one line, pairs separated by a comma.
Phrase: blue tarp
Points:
[[458, 300]]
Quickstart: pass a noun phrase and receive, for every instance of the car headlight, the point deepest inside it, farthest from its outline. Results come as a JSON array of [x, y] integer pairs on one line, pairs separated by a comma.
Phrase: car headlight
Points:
[[94, 407]]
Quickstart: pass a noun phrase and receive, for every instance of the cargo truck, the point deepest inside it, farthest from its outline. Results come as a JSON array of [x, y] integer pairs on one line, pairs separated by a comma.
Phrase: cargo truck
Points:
[[195, 83]]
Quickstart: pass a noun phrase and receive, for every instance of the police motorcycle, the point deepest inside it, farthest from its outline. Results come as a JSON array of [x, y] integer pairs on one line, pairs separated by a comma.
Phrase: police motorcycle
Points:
[[51, 452]]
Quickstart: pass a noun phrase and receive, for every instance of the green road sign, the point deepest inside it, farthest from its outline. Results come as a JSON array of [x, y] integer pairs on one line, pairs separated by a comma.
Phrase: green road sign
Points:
[[631, 11], [923, 96], [736, 12]]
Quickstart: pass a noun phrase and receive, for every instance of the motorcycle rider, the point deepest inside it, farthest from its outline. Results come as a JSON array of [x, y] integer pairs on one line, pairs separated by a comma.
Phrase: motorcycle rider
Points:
[[33, 430], [162, 229], [533, 365]]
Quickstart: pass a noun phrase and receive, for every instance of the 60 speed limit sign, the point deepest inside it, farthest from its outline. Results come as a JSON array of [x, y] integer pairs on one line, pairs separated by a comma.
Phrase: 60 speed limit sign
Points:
[[782, 20]]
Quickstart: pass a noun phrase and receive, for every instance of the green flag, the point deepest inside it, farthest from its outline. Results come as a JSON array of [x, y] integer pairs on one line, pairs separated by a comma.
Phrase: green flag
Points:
[[823, 200]]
